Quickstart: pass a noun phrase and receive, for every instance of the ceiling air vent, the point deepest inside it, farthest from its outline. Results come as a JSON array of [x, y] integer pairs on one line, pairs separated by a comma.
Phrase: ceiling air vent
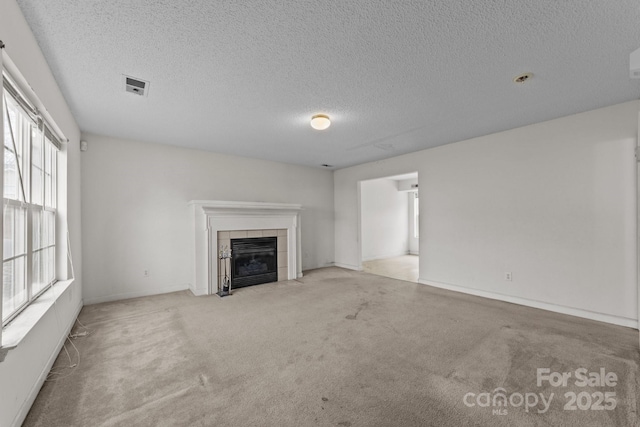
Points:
[[136, 86]]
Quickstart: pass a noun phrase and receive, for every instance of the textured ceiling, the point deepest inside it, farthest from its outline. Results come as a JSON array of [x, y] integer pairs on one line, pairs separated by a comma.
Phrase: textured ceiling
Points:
[[244, 77]]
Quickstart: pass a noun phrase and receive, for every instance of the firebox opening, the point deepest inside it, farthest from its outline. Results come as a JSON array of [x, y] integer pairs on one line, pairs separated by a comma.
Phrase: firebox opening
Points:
[[254, 261]]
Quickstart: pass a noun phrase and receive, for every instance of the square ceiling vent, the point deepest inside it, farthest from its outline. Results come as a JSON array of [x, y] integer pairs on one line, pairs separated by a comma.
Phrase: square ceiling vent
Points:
[[136, 86]]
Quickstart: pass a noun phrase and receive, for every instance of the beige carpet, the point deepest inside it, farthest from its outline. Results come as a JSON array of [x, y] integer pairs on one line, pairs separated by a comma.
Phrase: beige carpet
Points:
[[337, 348]]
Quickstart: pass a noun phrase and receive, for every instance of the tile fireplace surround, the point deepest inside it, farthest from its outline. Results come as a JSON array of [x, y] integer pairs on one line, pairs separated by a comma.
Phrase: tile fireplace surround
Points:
[[210, 217]]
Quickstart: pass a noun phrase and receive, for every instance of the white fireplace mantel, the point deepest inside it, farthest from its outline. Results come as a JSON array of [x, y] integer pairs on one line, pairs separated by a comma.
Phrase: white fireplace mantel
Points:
[[211, 216]]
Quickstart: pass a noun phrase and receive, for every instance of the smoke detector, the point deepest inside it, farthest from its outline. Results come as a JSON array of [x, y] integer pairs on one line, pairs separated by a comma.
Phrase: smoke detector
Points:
[[136, 86]]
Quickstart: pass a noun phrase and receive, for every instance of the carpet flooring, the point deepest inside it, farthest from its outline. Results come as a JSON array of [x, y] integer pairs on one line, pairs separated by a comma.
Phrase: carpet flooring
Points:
[[338, 348]]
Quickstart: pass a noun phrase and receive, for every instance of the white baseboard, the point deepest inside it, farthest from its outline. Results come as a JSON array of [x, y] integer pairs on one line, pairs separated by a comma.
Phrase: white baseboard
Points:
[[416, 253], [197, 292], [571, 311], [33, 393], [347, 266], [128, 295]]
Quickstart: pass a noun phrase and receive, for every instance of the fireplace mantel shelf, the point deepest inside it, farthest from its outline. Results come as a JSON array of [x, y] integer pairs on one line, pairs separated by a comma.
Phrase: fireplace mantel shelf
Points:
[[219, 204], [211, 216]]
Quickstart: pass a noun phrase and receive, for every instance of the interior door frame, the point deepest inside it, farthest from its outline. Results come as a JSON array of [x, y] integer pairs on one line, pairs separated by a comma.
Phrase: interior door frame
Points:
[[637, 183]]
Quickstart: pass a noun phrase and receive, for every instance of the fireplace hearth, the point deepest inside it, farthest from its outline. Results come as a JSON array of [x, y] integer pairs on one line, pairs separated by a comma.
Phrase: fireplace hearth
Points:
[[254, 261]]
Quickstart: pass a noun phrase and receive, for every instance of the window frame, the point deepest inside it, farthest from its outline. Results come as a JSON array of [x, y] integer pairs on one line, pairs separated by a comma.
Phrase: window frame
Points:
[[33, 129], [416, 215]]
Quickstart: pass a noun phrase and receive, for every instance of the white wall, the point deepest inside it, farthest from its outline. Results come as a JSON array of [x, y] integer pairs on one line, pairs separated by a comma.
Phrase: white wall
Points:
[[553, 203], [25, 367], [136, 216], [385, 219]]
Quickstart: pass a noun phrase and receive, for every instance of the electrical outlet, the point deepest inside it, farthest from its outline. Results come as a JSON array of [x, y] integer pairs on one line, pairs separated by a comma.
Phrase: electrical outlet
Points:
[[507, 276], [146, 273]]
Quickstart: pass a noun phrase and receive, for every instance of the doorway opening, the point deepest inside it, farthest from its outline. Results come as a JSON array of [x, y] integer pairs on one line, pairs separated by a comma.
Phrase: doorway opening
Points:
[[390, 226]]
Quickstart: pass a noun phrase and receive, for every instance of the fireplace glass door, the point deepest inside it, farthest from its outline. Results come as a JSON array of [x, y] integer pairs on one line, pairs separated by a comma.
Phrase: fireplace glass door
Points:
[[254, 261]]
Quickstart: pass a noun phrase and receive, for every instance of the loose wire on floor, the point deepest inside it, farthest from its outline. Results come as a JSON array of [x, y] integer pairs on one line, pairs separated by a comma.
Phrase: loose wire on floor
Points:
[[84, 333], [65, 371], [53, 374]]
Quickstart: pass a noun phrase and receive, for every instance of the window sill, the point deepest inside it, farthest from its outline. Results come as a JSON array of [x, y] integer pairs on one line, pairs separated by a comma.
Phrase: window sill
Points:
[[19, 328]]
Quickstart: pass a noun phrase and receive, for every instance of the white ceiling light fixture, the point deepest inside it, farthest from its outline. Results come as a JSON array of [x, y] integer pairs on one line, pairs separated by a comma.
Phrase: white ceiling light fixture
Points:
[[320, 122]]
